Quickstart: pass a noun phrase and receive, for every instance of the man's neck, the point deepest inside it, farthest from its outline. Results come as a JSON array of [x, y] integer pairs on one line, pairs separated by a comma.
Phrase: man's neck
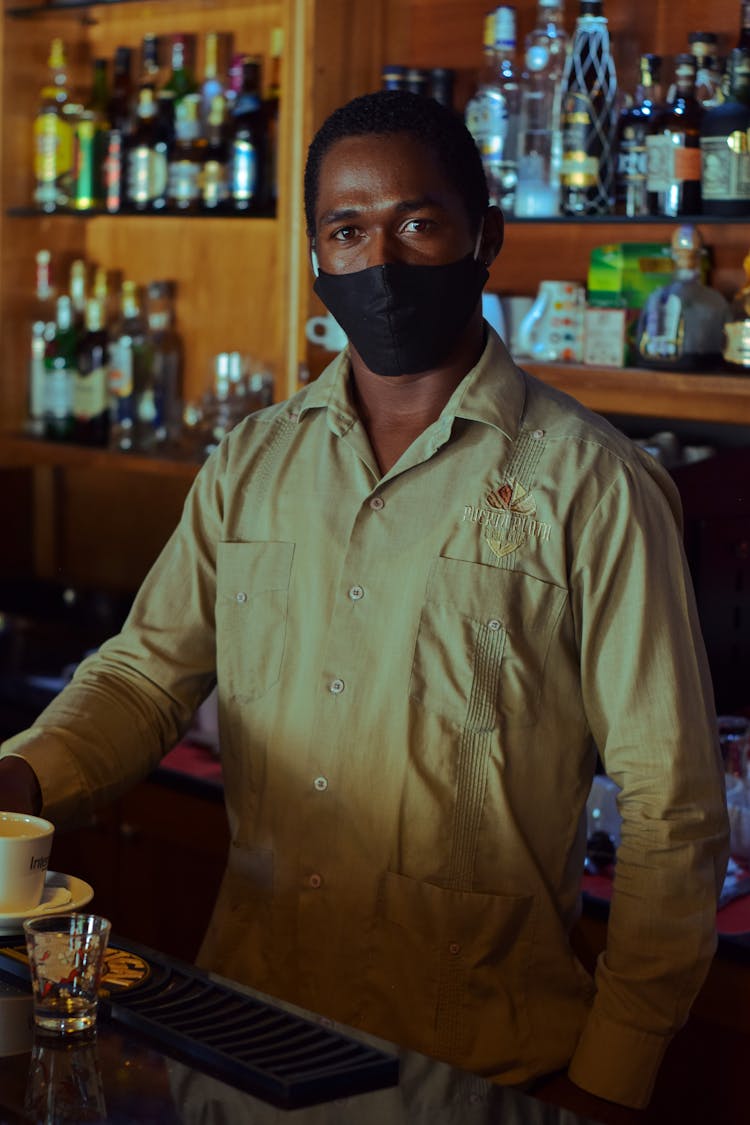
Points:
[[395, 411]]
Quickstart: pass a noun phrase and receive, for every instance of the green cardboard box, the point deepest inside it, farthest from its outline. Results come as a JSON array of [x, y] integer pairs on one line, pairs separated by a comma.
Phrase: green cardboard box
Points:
[[624, 274]]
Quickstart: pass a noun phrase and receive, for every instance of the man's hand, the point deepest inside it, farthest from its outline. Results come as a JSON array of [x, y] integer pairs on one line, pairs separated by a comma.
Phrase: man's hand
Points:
[[19, 788]]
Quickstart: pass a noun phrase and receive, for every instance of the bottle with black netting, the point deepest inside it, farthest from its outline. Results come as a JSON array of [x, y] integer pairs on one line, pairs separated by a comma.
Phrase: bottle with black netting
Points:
[[589, 95]]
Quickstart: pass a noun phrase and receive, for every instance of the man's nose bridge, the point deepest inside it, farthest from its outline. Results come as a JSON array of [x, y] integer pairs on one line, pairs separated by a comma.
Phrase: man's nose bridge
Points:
[[383, 247]]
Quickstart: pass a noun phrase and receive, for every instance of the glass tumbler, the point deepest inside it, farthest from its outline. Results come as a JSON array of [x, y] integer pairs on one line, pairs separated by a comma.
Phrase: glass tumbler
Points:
[[66, 957]]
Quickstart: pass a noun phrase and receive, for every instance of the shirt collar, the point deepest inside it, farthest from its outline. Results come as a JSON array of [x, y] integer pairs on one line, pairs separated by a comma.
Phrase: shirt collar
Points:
[[493, 392]]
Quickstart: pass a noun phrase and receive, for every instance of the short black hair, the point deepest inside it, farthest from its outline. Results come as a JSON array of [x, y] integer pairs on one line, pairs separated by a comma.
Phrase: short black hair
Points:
[[385, 112]]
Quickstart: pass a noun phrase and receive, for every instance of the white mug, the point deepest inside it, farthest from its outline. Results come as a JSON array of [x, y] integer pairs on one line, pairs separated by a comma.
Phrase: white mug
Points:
[[25, 845], [553, 327], [326, 332]]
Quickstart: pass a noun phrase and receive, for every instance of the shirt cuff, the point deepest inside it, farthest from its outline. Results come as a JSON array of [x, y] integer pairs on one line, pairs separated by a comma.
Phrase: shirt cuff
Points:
[[616, 1062], [63, 794]]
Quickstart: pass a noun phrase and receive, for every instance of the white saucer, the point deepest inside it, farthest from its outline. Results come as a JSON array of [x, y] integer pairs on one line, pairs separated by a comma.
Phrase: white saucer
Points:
[[62, 893]]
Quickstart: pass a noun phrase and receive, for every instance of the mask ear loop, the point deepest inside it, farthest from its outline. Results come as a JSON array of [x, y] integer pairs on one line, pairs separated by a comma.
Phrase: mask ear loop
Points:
[[314, 262], [478, 241]]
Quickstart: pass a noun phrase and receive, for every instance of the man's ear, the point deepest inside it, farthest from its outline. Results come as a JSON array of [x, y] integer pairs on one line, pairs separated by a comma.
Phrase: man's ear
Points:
[[492, 236]]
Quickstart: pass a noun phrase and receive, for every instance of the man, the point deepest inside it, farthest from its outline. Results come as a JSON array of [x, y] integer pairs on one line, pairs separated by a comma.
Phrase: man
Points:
[[428, 587]]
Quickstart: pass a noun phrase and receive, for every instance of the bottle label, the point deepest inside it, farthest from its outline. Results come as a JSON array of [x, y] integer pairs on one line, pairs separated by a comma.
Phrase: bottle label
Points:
[[737, 342], [120, 371], [53, 148], [726, 167], [147, 174], [487, 120], [213, 183], [184, 181], [580, 168], [90, 394], [671, 162], [58, 391], [244, 170], [632, 162]]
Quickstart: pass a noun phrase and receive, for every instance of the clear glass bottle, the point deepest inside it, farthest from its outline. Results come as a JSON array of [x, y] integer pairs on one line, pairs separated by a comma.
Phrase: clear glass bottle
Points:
[[53, 136], [125, 366], [673, 148], [492, 114], [635, 122], [725, 155], [60, 371], [681, 326], [539, 136], [158, 405], [736, 349], [90, 392], [589, 116]]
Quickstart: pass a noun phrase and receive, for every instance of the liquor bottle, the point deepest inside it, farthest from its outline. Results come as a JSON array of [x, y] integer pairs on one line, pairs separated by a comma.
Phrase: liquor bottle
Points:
[[440, 80], [90, 394], [150, 65], [158, 405], [53, 136], [212, 83], [43, 313], [736, 349], [703, 46], [588, 115], [269, 173], [90, 137], [214, 173], [743, 39], [673, 149], [633, 128], [246, 140], [78, 293], [393, 77], [147, 157], [185, 159], [181, 82], [60, 368], [540, 140], [120, 108], [492, 113], [725, 160], [126, 369], [681, 326]]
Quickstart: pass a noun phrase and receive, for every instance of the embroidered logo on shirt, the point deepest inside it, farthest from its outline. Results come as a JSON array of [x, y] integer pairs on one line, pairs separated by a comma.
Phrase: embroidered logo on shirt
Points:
[[509, 519]]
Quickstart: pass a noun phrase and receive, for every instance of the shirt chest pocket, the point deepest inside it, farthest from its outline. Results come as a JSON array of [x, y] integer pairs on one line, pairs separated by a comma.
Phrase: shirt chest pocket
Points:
[[252, 595], [483, 644]]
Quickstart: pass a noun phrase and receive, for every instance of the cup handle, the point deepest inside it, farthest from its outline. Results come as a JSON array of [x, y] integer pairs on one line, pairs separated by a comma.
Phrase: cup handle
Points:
[[529, 323], [316, 329]]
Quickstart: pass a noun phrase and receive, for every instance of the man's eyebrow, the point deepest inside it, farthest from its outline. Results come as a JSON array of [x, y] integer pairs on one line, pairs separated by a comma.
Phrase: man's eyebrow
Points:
[[346, 214]]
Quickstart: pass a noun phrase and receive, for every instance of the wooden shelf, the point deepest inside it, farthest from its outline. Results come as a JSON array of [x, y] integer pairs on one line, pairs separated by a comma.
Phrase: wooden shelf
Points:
[[24, 452], [663, 394]]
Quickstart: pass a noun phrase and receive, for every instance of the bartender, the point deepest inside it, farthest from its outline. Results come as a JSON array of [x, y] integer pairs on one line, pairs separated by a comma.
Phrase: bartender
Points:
[[429, 589]]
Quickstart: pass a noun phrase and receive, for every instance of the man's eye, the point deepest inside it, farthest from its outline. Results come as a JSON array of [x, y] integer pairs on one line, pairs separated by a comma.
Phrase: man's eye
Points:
[[344, 234], [418, 226]]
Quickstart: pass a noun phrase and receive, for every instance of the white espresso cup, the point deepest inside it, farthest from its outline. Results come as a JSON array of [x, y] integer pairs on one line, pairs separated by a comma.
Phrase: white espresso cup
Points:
[[326, 332], [25, 845]]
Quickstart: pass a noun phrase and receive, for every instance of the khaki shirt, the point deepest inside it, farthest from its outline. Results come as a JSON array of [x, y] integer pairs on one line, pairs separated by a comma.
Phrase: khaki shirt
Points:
[[413, 672]]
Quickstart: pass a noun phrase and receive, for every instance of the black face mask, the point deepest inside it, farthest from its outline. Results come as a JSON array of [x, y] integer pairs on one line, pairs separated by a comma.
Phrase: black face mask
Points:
[[404, 318]]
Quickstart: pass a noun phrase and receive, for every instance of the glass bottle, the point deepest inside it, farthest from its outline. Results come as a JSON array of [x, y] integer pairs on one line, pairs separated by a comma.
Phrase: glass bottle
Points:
[[42, 314], [743, 40], [60, 370], [681, 326], [673, 148], [151, 55], [181, 82], [588, 114], [90, 397], [158, 397], [725, 146], [246, 139], [492, 113], [633, 128], [147, 156], [704, 47], [78, 293], [393, 77], [540, 140], [212, 84], [53, 136], [736, 349], [440, 85], [125, 369], [120, 109], [269, 179], [214, 173], [185, 160]]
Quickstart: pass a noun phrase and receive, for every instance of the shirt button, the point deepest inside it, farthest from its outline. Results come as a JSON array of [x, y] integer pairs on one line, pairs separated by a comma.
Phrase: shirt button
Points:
[[454, 948], [241, 597], [321, 784], [356, 593], [494, 625], [377, 503], [336, 687], [316, 881], [538, 434]]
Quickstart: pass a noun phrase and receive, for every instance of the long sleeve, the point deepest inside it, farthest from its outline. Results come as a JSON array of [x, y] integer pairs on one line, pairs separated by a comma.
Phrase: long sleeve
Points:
[[648, 697]]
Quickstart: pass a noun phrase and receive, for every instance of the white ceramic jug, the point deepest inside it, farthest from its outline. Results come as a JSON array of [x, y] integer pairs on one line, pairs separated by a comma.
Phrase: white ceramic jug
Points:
[[553, 327]]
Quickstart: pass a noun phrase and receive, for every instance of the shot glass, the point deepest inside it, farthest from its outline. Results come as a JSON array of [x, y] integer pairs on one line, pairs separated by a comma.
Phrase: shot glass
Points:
[[66, 956]]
